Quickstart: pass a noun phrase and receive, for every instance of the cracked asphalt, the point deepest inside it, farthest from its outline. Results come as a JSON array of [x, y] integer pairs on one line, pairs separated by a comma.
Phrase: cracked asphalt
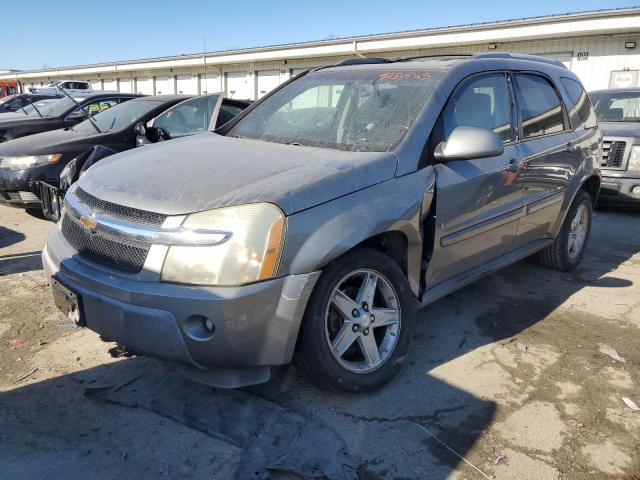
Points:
[[505, 380]]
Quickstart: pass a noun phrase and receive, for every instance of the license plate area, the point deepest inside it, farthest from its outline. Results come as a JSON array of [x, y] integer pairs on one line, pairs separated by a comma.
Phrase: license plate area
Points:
[[52, 200], [68, 302]]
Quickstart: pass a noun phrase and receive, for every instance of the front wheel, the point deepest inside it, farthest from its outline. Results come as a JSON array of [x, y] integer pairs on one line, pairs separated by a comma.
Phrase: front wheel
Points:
[[566, 252], [358, 325]]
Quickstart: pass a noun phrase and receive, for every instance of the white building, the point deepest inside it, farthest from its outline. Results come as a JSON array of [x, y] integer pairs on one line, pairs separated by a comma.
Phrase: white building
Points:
[[601, 47]]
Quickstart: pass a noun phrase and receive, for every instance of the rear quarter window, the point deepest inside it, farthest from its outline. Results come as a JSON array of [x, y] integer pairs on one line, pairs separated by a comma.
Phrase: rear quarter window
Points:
[[584, 109]]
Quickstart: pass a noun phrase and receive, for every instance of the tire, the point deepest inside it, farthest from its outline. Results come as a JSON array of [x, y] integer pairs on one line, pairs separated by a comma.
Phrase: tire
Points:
[[355, 371], [561, 255]]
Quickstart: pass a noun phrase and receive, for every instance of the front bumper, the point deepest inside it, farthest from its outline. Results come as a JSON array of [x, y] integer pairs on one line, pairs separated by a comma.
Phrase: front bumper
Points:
[[618, 189], [18, 188], [255, 325]]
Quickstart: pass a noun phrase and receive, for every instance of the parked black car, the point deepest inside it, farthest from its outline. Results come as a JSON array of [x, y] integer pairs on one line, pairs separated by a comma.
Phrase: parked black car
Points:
[[15, 103], [60, 113], [35, 168]]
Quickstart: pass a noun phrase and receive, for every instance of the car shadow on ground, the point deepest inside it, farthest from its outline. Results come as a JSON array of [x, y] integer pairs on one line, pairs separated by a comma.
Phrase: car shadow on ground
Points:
[[20, 263], [9, 237], [420, 426]]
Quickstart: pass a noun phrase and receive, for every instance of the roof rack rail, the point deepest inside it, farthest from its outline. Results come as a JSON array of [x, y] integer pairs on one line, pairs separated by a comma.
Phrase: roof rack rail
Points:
[[442, 55], [363, 61], [521, 56]]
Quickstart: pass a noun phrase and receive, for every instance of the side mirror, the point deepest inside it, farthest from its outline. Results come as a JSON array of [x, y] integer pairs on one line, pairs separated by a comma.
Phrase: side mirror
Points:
[[140, 130], [163, 134], [468, 143], [77, 116]]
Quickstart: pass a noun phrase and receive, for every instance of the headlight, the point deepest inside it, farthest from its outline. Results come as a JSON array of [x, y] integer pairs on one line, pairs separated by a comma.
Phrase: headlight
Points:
[[634, 158], [252, 252], [26, 161]]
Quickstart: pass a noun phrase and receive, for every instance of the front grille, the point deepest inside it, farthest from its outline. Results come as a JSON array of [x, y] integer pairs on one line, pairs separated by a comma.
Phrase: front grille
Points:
[[120, 211], [613, 154], [28, 197], [127, 257], [11, 196]]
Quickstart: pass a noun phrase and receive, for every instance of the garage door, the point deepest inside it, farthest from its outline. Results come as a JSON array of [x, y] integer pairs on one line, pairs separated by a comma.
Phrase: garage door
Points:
[[96, 84], [187, 84], [164, 85], [124, 85], [144, 85], [238, 86], [210, 84], [109, 84], [267, 81]]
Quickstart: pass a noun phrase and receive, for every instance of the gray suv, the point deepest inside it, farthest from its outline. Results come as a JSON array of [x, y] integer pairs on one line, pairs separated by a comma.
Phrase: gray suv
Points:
[[318, 221], [618, 113]]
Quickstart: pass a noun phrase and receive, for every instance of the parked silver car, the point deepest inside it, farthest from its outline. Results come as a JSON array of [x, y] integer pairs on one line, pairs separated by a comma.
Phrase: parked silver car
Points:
[[72, 87], [618, 112], [318, 220]]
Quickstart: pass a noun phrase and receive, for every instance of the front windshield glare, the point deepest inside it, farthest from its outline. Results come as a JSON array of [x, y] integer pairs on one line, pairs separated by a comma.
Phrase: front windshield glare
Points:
[[617, 106], [357, 110], [49, 108], [119, 117]]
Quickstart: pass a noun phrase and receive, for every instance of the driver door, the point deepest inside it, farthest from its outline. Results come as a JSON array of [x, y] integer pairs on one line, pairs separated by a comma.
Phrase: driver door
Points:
[[479, 202]]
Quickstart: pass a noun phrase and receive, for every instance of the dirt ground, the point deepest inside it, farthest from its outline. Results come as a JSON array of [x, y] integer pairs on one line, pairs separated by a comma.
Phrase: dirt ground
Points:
[[505, 380]]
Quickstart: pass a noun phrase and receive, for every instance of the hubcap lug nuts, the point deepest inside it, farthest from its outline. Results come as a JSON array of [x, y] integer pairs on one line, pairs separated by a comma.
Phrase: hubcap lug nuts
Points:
[[373, 319], [366, 331], [355, 312], [365, 307], [355, 328]]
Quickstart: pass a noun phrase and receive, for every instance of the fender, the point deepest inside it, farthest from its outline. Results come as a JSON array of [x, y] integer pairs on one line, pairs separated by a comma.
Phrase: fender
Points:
[[321, 234], [588, 168]]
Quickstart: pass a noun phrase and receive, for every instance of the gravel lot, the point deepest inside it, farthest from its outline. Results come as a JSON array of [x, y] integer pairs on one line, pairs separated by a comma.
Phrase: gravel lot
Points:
[[506, 373]]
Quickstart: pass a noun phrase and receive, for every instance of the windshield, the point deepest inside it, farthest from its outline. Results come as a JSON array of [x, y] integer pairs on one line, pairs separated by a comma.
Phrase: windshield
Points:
[[6, 99], [353, 110], [51, 108], [43, 106], [54, 84], [120, 116], [617, 106]]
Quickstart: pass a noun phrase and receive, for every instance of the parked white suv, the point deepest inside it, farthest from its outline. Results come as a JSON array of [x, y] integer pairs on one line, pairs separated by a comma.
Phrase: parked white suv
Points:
[[72, 87]]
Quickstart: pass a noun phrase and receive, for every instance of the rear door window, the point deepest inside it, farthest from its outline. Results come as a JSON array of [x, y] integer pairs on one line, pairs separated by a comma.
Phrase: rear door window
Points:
[[539, 105], [581, 102], [483, 102]]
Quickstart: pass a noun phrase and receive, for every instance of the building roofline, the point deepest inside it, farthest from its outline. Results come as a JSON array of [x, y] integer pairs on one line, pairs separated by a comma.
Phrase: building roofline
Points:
[[218, 57]]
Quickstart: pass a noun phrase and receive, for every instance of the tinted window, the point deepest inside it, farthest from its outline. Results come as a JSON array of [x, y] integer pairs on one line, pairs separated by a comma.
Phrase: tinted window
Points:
[[481, 102], [227, 112], [581, 102], [187, 118], [539, 105]]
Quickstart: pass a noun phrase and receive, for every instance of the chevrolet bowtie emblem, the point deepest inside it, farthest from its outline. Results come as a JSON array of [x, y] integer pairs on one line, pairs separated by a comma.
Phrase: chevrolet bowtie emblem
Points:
[[89, 223]]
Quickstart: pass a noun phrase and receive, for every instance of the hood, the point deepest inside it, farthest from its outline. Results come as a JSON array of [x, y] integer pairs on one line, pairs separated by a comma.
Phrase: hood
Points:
[[10, 119], [56, 141], [620, 129], [209, 171]]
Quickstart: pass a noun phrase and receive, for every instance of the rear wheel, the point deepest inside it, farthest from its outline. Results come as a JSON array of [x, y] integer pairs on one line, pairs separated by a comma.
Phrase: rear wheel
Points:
[[358, 325], [567, 250]]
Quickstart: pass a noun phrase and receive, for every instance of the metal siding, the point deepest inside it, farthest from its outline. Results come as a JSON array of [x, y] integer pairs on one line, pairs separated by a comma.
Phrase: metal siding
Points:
[[144, 85], [239, 85], [187, 84], [124, 85]]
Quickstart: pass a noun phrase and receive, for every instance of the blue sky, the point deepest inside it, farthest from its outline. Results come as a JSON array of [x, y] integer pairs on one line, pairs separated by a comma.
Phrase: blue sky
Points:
[[57, 36]]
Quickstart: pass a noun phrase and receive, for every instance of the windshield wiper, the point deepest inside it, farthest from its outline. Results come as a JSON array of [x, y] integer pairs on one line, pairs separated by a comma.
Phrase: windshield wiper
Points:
[[37, 111], [95, 125]]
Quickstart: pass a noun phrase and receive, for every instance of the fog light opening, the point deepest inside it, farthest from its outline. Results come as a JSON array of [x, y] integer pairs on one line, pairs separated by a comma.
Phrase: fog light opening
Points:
[[636, 190], [198, 327]]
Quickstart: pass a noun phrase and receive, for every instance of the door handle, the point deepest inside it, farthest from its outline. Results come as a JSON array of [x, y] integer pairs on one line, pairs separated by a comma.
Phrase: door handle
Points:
[[513, 166]]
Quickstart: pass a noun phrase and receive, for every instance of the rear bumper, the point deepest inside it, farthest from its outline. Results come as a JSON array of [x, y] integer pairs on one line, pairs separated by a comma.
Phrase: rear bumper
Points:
[[255, 325], [619, 190]]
